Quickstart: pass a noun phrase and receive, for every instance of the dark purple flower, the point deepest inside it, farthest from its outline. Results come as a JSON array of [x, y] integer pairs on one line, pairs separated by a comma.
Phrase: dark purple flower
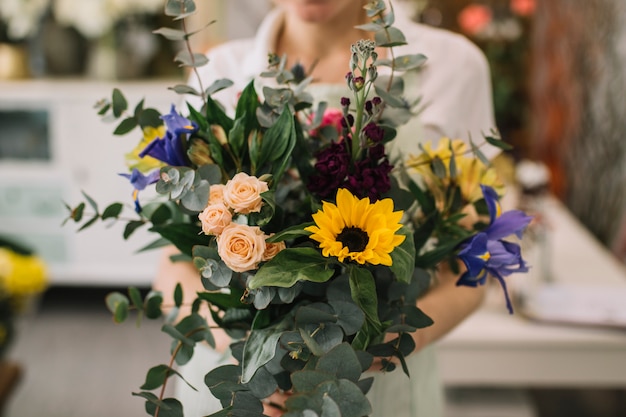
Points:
[[139, 181], [486, 253], [374, 132], [331, 169], [370, 180]]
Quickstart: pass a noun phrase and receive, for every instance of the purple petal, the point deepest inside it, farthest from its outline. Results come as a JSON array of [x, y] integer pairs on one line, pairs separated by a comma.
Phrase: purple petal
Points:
[[510, 222]]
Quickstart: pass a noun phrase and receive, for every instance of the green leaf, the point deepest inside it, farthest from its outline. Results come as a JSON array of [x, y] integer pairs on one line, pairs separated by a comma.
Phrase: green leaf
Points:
[[290, 266], [363, 291], [185, 89], [157, 375], [349, 316], [191, 59], [117, 303], [310, 342], [389, 37], [135, 297], [237, 137], [89, 223], [246, 109], [179, 8], [112, 211], [152, 304], [404, 62], [223, 301], [178, 295], [278, 143], [259, 349], [91, 202], [342, 362], [498, 143], [218, 85], [125, 126], [183, 235], [403, 257], [131, 226], [290, 233], [119, 103], [77, 212], [307, 380], [149, 118], [170, 407], [171, 34]]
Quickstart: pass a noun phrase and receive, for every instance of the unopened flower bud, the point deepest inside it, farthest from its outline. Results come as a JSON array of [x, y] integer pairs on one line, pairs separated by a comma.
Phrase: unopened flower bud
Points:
[[199, 152]]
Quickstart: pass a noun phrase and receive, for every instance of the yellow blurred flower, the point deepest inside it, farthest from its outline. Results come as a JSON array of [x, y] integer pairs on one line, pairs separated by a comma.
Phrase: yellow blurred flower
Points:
[[470, 172], [21, 275], [147, 163], [357, 229]]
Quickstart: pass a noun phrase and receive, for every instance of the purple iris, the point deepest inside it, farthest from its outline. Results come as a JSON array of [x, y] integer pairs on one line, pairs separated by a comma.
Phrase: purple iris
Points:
[[487, 252], [140, 182], [170, 149]]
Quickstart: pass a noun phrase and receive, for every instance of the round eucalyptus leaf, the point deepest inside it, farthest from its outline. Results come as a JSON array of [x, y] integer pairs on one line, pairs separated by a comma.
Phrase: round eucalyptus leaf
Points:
[[329, 336], [348, 396], [349, 316], [263, 296], [170, 407], [223, 380], [262, 384], [342, 362]]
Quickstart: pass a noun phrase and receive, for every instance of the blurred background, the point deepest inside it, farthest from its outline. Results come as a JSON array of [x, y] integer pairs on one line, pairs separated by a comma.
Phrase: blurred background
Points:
[[559, 95]]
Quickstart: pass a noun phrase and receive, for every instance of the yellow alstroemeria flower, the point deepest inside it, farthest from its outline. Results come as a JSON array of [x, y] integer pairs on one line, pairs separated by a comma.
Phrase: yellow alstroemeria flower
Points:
[[470, 171], [357, 230], [147, 163]]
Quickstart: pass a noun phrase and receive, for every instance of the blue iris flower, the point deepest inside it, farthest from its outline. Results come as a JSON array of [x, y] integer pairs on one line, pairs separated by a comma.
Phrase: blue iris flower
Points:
[[140, 181], [487, 253], [170, 149]]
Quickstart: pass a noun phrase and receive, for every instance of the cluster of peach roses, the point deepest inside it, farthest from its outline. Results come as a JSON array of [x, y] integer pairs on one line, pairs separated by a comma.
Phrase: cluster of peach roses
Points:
[[241, 246]]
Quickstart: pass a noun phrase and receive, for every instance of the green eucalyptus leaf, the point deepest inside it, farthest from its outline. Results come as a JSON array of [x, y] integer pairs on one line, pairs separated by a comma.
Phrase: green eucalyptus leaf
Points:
[[91, 221], [170, 407], [223, 381], [197, 198], [185, 89], [91, 202], [125, 126], [117, 303], [179, 8], [263, 384], [157, 375], [416, 317], [119, 103], [311, 343], [152, 304], [112, 211], [149, 118], [259, 349], [178, 295], [183, 235], [171, 34], [389, 37], [136, 298], [187, 59], [342, 362], [131, 226], [349, 316], [218, 85], [307, 380], [290, 266]]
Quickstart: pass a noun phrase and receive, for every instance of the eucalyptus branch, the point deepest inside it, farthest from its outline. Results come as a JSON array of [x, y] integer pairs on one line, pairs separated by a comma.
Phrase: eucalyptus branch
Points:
[[203, 95]]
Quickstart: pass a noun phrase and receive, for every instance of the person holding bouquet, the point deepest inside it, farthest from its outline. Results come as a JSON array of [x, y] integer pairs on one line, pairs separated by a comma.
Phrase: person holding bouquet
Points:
[[454, 91]]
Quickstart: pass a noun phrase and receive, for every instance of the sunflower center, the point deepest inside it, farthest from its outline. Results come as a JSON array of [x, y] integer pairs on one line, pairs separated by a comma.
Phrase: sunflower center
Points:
[[354, 238]]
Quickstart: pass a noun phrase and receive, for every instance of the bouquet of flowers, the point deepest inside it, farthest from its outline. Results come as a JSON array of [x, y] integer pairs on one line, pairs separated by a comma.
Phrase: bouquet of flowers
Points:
[[22, 276], [312, 246]]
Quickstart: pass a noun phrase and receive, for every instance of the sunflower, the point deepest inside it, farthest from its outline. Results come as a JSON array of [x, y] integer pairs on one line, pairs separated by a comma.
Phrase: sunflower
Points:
[[357, 229]]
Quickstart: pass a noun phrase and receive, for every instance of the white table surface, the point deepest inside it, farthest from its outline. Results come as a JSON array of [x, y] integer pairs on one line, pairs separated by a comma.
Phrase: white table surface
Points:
[[493, 348]]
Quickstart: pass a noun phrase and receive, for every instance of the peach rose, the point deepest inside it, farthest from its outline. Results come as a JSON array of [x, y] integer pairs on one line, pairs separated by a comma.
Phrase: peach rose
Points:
[[215, 218], [241, 247], [271, 249], [243, 193], [216, 194]]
